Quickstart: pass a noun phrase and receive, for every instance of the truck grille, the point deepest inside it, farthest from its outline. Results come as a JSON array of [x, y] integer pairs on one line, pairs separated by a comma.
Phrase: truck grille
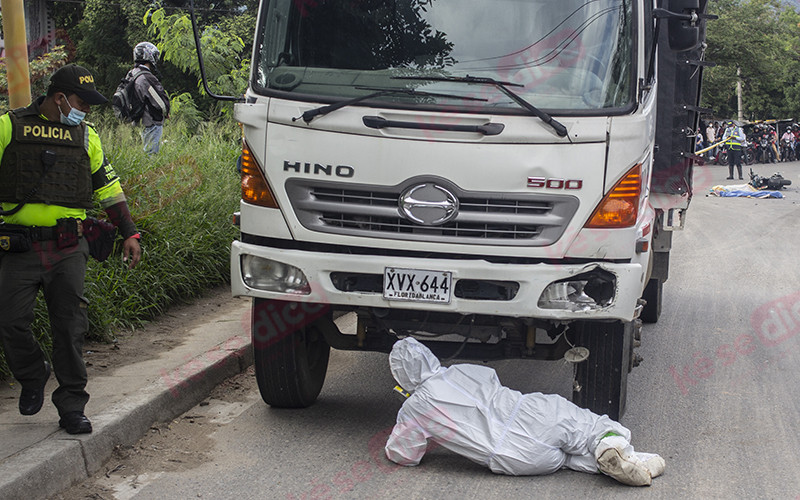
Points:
[[484, 218]]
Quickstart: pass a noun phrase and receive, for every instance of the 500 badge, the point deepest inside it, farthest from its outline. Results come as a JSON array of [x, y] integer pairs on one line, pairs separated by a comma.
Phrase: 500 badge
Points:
[[551, 183]]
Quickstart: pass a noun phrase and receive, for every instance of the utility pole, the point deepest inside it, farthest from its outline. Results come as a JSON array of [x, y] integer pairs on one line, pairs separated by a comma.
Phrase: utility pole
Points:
[[740, 113], [16, 47]]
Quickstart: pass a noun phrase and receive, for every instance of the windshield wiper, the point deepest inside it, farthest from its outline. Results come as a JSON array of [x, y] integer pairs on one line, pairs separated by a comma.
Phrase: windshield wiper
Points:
[[560, 129], [324, 110]]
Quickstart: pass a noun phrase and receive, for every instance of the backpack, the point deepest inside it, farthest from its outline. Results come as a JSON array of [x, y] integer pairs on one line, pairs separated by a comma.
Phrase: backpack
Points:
[[125, 103]]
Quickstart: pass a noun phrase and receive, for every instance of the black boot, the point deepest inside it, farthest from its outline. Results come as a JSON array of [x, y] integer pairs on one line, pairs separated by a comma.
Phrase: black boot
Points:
[[32, 398], [75, 422]]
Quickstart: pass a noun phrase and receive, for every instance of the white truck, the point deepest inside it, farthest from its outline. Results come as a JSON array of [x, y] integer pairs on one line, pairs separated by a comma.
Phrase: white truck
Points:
[[498, 179]]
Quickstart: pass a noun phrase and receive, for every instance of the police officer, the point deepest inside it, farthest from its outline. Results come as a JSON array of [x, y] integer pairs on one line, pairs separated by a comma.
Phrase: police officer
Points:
[[150, 92], [51, 167], [734, 139]]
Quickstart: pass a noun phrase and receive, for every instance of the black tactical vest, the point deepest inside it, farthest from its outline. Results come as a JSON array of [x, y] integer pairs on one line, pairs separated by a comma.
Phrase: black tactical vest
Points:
[[48, 157]]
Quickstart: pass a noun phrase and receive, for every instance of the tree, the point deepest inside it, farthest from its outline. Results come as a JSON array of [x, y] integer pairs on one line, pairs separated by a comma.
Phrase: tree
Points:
[[106, 32], [225, 67], [102, 42], [751, 35]]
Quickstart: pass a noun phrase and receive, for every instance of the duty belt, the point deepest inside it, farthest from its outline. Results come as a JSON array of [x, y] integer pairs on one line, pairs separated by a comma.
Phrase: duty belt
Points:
[[44, 233]]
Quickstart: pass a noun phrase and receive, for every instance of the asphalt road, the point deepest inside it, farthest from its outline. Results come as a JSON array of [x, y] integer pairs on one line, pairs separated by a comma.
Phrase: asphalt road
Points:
[[716, 394]]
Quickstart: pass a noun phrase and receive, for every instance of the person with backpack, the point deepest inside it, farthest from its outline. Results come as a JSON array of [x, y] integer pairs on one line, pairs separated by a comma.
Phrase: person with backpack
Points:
[[141, 97]]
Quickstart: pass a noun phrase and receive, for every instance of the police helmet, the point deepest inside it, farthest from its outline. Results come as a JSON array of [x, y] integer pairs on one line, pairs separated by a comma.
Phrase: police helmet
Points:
[[146, 52]]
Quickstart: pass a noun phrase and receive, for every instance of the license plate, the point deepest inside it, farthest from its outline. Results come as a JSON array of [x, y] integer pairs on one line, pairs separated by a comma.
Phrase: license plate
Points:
[[417, 285]]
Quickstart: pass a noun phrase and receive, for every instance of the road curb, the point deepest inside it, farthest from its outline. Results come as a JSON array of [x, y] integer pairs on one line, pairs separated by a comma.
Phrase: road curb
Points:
[[61, 460]]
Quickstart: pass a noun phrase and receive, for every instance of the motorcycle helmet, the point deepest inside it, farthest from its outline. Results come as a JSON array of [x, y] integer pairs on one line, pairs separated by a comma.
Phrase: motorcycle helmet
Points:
[[146, 52]]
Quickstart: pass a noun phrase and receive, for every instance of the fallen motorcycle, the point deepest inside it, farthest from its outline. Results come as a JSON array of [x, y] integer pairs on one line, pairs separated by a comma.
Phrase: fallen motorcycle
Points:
[[772, 183]]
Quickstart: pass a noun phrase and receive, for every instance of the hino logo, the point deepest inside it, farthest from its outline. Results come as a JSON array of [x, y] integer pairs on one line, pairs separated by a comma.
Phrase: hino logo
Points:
[[319, 169], [428, 204]]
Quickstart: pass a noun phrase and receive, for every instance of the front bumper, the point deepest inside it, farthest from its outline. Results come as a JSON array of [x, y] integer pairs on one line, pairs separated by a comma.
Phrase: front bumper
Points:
[[531, 278]]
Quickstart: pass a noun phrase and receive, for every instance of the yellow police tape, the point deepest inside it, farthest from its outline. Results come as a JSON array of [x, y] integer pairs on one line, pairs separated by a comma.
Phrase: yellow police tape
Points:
[[401, 391], [710, 147]]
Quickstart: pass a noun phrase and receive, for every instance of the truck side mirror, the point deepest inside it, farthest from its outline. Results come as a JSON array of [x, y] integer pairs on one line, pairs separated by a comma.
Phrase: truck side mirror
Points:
[[684, 19], [683, 34]]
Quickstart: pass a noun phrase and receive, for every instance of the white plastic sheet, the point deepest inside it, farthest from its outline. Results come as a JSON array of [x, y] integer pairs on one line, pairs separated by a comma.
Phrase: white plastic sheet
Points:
[[465, 409]]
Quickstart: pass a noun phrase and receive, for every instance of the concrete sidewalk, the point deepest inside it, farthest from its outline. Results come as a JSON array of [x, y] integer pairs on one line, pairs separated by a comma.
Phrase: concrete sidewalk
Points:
[[38, 459]]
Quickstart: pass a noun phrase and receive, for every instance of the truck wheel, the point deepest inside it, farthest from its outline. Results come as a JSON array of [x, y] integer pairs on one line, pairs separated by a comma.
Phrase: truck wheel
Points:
[[290, 361], [652, 294], [601, 381]]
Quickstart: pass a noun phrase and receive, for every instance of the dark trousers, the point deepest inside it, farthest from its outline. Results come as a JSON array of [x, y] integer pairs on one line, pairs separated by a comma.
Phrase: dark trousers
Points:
[[60, 273], [734, 157]]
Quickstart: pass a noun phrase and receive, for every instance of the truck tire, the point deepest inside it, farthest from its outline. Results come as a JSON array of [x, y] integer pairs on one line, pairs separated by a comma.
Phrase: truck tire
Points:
[[652, 294], [601, 381], [290, 362]]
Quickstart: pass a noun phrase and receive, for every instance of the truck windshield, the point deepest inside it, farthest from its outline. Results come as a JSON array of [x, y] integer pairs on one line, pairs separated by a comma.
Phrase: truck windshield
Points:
[[566, 56]]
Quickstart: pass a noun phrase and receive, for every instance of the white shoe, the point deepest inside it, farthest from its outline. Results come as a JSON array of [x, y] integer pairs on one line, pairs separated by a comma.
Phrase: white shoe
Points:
[[654, 463], [615, 458]]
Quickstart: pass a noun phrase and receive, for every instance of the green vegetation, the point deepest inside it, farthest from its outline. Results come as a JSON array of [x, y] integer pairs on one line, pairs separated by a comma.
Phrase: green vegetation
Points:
[[104, 34], [182, 201], [40, 70], [226, 69], [761, 38]]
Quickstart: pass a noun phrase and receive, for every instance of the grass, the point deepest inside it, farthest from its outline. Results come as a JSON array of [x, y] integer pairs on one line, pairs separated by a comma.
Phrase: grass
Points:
[[181, 200]]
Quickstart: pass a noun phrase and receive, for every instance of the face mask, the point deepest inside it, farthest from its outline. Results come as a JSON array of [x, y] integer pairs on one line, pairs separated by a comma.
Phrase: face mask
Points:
[[74, 117]]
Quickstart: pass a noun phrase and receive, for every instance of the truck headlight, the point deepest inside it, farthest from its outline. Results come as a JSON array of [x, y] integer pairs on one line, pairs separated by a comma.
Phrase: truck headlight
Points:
[[273, 276], [587, 291]]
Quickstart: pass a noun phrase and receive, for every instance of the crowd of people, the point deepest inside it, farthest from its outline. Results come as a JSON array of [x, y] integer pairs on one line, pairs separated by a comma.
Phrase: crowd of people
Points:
[[763, 141]]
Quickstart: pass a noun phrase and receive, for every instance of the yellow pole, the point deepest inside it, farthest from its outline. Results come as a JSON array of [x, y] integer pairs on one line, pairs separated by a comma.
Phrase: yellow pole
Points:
[[710, 147], [16, 47]]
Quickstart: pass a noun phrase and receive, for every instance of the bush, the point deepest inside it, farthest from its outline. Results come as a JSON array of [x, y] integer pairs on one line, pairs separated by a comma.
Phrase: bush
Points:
[[40, 70], [182, 200]]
